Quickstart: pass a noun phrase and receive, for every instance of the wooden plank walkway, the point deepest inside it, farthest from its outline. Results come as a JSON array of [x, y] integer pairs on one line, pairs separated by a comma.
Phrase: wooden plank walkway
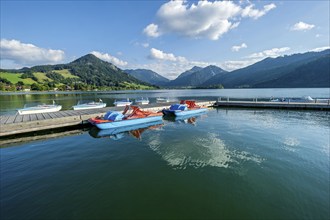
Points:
[[18, 124], [274, 105]]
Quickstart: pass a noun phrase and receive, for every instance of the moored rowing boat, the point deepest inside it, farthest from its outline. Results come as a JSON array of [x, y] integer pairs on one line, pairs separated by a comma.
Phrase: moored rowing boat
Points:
[[40, 108], [89, 105]]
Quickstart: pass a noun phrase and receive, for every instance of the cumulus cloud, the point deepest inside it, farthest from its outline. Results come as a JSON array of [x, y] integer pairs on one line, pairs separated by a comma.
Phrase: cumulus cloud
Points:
[[160, 55], [302, 26], [251, 12], [202, 20], [107, 57], [28, 54], [274, 52], [168, 64], [151, 30], [237, 48]]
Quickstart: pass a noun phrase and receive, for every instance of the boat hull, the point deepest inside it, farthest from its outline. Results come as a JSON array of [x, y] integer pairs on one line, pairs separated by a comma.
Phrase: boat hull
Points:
[[108, 132], [142, 102], [119, 104], [190, 112], [35, 110], [183, 113], [89, 106], [127, 122]]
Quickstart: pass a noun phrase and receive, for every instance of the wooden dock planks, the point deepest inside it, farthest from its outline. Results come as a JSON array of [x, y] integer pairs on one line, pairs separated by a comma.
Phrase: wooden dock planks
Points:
[[17, 124]]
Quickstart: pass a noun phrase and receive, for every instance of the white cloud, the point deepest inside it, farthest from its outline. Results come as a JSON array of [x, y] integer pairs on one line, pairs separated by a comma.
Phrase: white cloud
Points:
[[168, 64], [201, 20], [302, 26], [274, 52], [171, 70], [237, 48], [231, 65], [24, 54], [151, 30], [249, 11], [107, 57], [160, 55], [320, 49]]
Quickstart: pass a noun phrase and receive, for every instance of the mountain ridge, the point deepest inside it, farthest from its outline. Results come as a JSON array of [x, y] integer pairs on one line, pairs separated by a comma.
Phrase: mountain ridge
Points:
[[148, 76], [272, 69], [310, 69], [196, 78]]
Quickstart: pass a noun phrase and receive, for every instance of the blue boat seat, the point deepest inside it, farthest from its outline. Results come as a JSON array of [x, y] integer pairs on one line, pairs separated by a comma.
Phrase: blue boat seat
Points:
[[178, 107], [113, 116]]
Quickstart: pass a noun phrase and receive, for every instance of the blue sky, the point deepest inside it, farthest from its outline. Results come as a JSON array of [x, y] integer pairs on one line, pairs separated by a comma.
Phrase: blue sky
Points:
[[168, 37]]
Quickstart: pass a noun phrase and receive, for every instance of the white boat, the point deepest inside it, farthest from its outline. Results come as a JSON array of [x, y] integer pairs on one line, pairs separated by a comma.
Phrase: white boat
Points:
[[122, 102], [39, 108], [304, 99], [89, 105], [298, 100], [142, 101], [162, 100]]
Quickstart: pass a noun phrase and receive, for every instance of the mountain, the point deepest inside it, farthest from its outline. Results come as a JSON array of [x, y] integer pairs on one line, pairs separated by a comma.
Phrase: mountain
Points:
[[196, 76], [189, 72], [93, 70], [86, 72], [304, 70], [148, 76], [312, 75]]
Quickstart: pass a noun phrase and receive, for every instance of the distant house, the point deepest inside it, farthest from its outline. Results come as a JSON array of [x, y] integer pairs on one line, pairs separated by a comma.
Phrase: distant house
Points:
[[27, 90]]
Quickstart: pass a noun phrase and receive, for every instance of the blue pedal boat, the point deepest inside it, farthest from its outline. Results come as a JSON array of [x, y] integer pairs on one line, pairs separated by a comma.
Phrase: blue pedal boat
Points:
[[186, 107], [114, 119]]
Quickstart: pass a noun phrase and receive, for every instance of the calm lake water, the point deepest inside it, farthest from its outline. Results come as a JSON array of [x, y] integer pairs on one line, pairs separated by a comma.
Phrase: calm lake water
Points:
[[9, 102], [226, 164]]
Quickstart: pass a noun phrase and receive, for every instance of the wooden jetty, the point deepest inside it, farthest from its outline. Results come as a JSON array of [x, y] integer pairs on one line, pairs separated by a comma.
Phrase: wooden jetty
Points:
[[18, 124], [274, 105]]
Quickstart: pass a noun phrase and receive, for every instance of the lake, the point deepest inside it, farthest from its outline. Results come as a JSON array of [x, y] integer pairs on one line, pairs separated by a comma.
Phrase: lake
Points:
[[9, 102], [226, 164]]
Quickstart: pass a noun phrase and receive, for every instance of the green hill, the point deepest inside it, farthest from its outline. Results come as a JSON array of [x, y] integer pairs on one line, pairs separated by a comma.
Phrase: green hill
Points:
[[86, 73]]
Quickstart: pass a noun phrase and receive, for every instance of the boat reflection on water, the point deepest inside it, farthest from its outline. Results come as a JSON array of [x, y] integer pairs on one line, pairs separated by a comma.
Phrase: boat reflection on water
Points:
[[187, 119], [119, 133]]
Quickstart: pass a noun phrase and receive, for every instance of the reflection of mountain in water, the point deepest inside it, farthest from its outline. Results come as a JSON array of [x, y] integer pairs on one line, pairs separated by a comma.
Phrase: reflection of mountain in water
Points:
[[118, 133], [199, 151]]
